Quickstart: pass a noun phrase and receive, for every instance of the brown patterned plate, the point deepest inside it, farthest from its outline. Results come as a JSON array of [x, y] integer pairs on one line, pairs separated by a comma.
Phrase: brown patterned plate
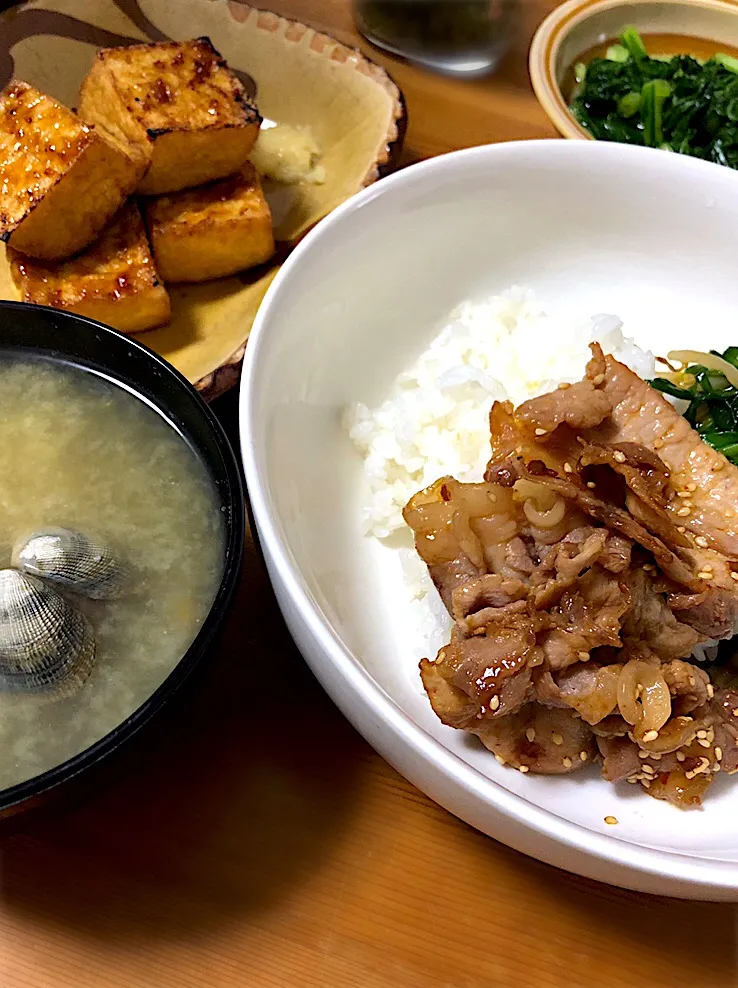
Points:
[[298, 77]]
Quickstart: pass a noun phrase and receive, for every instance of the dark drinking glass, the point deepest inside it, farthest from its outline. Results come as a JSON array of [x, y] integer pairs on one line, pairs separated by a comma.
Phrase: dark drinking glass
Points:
[[458, 37]]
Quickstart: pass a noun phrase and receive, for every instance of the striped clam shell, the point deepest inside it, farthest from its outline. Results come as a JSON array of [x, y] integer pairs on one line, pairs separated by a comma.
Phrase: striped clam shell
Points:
[[74, 562], [46, 644]]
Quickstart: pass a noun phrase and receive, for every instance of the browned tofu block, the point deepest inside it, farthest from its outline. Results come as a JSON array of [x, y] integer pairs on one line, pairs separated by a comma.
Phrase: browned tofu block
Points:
[[60, 180], [178, 100], [114, 281], [212, 231]]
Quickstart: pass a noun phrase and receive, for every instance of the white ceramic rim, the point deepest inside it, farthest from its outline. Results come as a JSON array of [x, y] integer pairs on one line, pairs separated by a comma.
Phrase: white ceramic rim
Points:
[[679, 868]]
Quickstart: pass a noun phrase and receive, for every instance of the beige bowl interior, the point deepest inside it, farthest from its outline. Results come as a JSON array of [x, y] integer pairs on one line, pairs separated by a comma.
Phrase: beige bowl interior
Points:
[[578, 26], [299, 77]]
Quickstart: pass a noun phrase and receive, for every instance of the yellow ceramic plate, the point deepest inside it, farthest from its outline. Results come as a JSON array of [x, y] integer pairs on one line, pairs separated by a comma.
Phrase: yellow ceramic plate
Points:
[[298, 77]]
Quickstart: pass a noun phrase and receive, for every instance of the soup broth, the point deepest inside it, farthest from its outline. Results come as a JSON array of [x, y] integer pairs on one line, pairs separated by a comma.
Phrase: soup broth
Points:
[[80, 452]]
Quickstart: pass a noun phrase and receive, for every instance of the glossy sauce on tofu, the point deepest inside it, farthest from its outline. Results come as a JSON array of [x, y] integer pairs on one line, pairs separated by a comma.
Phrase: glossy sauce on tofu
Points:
[[119, 263], [114, 281], [78, 451], [181, 85], [39, 139]]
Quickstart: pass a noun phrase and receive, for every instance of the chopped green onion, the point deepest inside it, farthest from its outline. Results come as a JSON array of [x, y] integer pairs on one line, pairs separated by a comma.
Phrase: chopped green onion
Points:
[[727, 61], [631, 40], [580, 72], [629, 104], [653, 96], [617, 53]]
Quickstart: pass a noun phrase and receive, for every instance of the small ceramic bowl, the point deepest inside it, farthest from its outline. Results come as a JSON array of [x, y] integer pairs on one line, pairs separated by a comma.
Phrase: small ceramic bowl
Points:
[[354, 305], [578, 26]]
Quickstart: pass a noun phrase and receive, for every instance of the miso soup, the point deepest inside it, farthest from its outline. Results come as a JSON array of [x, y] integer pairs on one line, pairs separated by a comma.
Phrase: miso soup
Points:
[[80, 452]]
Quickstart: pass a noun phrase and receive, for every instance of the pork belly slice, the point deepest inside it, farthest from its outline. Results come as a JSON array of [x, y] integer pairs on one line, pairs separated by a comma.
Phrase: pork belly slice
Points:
[[703, 483], [581, 575], [543, 740], [483, 677]]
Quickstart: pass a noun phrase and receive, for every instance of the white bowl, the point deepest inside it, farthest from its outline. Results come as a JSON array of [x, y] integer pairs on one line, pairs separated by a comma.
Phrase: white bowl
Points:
[[590, 226]]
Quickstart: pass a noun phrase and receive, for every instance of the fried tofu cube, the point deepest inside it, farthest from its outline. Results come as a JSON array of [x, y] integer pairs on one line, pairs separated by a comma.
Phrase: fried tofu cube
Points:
[[114, 281], [60, 180], [212, 231], [180, 102]]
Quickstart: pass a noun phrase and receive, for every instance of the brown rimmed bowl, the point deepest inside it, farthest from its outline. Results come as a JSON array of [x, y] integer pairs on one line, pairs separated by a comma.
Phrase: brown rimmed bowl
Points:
[[578, 26]]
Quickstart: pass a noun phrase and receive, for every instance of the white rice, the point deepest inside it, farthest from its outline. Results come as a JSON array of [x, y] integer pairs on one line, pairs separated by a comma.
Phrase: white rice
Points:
[[435, 419]]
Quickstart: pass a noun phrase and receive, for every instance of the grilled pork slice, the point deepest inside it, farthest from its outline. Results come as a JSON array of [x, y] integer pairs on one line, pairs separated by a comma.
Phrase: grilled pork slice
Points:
[[543, 740], [115, 281], [181, 103], [597, 554], [211, 231], [693, 497], [704, 482], [60, 180]]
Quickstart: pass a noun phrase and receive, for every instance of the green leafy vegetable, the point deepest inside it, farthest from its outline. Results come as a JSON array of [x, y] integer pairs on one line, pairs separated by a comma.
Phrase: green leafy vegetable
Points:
[[653, 96], [677, 103], [712, 408], [633, 43]]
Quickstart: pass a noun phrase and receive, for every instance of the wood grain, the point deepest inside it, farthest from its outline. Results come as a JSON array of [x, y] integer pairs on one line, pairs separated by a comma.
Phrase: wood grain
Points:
[[249, 837]]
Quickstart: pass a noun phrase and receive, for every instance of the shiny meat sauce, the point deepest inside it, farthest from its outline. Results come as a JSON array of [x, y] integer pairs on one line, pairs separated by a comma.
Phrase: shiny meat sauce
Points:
[[581, 576]]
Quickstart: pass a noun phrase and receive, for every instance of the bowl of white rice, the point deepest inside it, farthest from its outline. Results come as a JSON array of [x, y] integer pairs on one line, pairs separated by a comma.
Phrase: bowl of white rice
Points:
[[478, 276]]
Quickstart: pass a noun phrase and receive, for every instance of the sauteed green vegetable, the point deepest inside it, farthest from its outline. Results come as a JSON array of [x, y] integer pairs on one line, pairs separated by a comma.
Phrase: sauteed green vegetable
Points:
[[677, 103], [713, 398]]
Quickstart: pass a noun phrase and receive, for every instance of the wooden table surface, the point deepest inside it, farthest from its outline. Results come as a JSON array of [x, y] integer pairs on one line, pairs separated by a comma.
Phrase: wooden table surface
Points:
[[249, 837]]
